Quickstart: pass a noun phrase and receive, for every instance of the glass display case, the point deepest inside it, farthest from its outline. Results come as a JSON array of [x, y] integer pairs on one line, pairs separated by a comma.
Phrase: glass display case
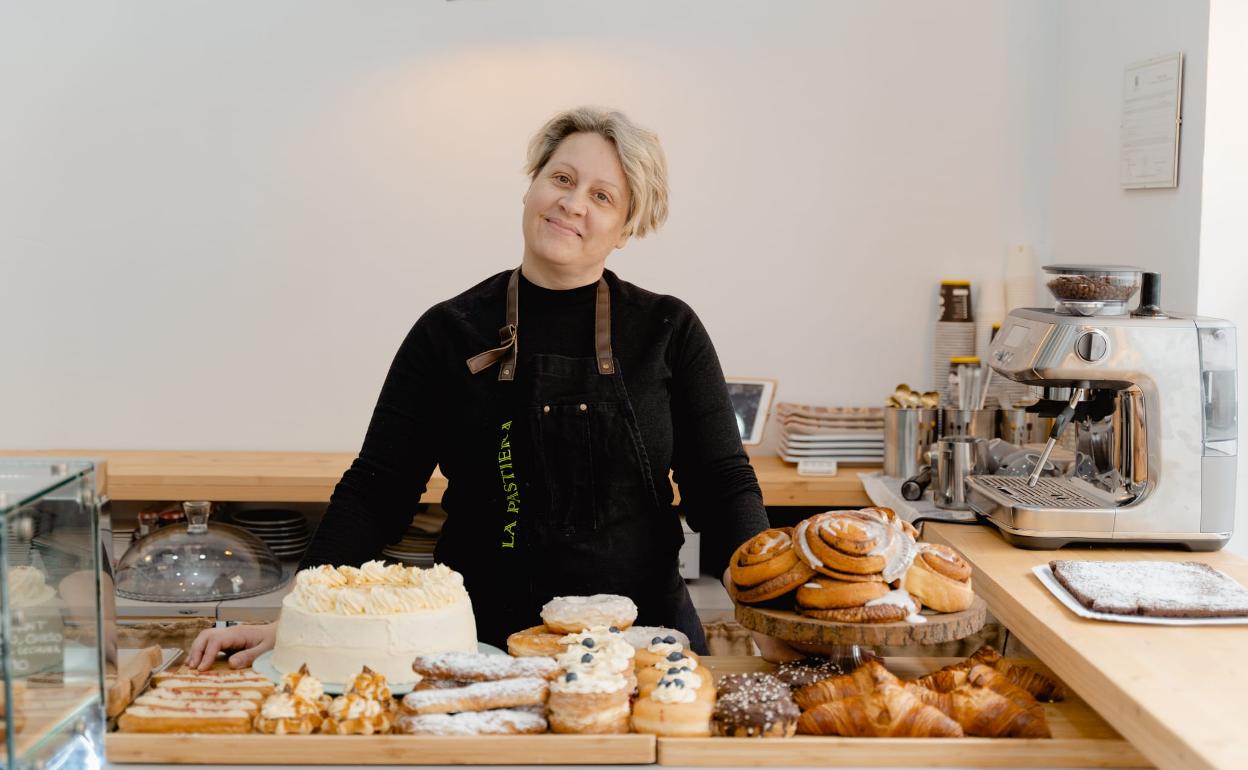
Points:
[[52, 701]]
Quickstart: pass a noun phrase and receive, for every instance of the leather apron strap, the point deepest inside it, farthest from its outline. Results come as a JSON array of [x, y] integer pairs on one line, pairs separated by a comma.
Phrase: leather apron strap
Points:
[[509, 344], [602, 329], [508, 341]]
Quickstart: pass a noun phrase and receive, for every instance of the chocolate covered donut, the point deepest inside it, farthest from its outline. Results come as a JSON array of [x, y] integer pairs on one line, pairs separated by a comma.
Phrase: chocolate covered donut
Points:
[[799, 673], [754, 706]]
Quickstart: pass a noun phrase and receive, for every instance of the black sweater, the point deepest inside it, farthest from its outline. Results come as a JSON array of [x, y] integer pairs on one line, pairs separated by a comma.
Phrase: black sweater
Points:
[[685, 417]]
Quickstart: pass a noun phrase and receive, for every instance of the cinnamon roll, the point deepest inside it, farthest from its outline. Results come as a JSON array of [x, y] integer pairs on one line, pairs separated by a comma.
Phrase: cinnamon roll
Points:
[[865, 543], [940, 578], [766, 566]]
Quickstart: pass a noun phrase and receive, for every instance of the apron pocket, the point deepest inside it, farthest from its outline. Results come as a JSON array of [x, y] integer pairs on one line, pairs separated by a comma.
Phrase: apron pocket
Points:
[[564, 442]]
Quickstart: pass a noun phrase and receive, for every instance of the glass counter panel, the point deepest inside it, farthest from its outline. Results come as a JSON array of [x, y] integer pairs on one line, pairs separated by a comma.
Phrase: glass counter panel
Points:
[[52, 701]]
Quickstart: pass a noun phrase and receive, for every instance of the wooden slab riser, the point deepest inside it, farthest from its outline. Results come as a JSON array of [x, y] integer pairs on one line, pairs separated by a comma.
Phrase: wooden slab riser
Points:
[[381, 749], [806, 751]]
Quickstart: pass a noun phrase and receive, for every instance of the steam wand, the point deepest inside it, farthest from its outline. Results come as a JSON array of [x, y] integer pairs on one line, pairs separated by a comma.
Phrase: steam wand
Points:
[[1059, 425]]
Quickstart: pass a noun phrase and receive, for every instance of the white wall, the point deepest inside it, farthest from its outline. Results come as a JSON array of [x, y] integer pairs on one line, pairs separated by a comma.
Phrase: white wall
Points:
[[1223, 228], [217, 221], [1092, 219]]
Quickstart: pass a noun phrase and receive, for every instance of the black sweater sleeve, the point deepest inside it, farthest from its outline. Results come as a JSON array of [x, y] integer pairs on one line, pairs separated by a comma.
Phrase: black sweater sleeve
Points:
[[719, 492], [376, 498]]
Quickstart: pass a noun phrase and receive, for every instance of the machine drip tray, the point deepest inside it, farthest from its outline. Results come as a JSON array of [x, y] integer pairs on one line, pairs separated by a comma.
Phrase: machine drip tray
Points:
[[1050, 493]]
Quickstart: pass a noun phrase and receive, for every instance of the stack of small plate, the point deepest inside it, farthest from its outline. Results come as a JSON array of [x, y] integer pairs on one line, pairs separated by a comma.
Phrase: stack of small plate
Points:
[[416, 547], [849, 435], [285, 532], [122, 538]]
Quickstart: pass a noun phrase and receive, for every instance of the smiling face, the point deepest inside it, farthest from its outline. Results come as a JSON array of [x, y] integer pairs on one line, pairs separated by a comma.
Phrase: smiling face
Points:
[[575, 212]]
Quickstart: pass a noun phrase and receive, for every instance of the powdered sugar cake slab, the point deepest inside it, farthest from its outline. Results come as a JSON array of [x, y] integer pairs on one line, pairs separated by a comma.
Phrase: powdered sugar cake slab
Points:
[[1045, 575], [1168, 589]]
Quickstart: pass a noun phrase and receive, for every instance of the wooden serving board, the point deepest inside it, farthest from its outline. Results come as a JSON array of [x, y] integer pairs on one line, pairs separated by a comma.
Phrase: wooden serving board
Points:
[[545, 749], [1080, 739], [792, 627]]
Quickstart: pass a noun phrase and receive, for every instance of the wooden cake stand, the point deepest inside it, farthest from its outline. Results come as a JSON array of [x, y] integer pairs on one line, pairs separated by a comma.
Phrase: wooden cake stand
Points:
[[792, 627]]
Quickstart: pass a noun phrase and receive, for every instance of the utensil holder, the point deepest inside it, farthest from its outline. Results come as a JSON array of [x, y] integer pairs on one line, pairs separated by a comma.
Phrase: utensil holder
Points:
[[957, 458], [908, 435], [977, 423]]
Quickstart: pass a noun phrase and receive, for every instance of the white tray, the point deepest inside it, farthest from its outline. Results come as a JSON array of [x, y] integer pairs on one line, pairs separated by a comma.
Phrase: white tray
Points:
[[1045, 574], [842, 459]]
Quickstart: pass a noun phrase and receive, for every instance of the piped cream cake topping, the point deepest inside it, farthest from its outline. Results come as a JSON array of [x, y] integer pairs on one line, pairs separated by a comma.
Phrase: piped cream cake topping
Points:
[[377, 589]]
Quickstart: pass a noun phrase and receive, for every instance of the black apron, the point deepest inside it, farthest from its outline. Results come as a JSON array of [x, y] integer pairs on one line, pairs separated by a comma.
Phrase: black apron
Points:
[[578, 517]]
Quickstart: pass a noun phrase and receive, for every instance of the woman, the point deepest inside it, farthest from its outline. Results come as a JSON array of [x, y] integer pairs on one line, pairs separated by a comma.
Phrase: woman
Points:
[[555, 398]]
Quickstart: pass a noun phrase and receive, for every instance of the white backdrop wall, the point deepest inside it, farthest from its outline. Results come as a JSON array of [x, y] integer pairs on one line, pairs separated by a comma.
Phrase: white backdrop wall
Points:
[[1092, 219], [218, 220]]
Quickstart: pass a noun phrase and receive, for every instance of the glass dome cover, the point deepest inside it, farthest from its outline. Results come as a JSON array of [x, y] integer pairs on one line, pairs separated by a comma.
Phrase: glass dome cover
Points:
[[197, 562]]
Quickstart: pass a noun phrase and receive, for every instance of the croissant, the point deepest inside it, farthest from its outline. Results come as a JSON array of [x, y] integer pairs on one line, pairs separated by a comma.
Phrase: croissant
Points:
[[1038, 685], [891, 712], [984, 713], [946, 679], [861, 681], [986, 676]]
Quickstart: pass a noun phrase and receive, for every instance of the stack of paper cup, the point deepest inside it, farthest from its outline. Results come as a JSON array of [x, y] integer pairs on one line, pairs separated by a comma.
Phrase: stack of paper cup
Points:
[[991, 311], [955, 332], [1020, 291], [952, 339], [1020, 272]]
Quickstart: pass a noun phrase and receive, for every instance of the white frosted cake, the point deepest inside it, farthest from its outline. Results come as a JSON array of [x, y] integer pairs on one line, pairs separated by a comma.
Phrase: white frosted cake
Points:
[[340, 619], [28, 587]]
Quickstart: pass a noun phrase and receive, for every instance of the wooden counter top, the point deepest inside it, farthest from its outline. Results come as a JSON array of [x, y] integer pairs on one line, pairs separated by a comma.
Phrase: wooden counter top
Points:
[[1170, 690], [310, 477]]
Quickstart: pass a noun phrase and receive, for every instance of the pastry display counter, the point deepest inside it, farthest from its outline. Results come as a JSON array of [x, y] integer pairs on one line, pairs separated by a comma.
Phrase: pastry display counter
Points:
[[1168, 689], [295, 477], [1080, 739], [1164, 689]]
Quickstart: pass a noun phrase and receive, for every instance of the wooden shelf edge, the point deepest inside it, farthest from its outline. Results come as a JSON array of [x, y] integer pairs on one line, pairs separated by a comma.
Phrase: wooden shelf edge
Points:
[[828, 751], [546, 749]]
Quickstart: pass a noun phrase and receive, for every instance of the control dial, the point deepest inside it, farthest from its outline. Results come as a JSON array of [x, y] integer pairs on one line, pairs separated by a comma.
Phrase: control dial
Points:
[[1092, 345]]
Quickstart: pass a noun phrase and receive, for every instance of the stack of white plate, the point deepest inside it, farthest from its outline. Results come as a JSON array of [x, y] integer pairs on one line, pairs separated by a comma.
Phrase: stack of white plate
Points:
[[122, 537], [849, 435], [18, 546], [416, 547], [285, 532]]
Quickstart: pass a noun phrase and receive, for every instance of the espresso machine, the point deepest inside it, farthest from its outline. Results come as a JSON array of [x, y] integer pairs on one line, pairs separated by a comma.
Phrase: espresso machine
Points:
[[1151, 397]]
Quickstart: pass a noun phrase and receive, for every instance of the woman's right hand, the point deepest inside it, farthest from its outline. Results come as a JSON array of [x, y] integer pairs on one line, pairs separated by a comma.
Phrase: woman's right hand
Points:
[[251, 641]]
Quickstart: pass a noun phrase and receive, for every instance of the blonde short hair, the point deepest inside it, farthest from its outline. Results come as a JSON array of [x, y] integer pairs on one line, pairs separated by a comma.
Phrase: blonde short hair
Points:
[[645, 166]]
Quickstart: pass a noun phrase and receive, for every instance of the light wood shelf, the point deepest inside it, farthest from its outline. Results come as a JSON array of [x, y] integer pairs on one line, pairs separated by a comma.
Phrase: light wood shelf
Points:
[[1170, 690], [310, 477]]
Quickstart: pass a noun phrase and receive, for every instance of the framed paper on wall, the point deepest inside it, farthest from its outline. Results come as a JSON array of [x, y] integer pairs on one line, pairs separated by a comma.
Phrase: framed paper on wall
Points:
[[1152, 103], [751, 400]]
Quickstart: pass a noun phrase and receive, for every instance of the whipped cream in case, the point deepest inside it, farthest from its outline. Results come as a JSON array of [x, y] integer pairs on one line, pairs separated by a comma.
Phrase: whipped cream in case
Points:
[[677, 688], [280, 706], [28, 587], [596, 679]]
